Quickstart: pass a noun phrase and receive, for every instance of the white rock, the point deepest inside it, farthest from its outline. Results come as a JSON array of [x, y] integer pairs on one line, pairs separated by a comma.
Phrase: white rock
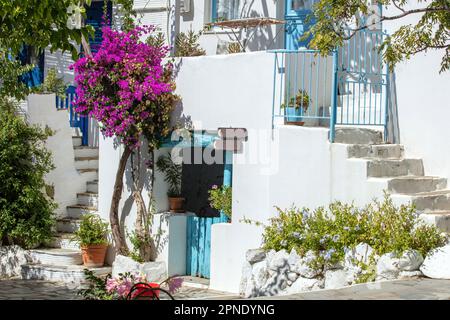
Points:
[[410, 260], [255, 255], [245, 277], [274, 285], [154, 271], [11, 259], [292, 276], [294, 258], [305, 284], [361, 253], [260, 274], [336, 279], [388, 266], [278, 261], [437, 263], [250, 290], [302, 267], [410, 274]]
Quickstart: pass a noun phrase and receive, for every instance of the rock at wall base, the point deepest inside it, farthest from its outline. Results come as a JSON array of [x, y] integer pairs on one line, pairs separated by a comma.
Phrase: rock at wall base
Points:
[[154, 271], [437, 263], [11, 260]]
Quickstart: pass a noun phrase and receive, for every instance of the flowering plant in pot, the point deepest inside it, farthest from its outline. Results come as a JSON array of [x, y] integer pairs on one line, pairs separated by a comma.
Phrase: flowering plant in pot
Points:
[[296, 107], [128, 286], [172, 172], [92, 236]]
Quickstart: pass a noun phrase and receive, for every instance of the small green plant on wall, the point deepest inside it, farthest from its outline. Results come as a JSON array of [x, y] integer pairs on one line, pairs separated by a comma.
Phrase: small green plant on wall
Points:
[[221, 199], [301, 100], [53, 84], [186, 45]]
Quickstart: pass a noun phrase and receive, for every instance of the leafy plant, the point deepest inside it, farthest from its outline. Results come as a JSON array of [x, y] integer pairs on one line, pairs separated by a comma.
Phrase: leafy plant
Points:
[[92, 231], [301, 100], [172, 172], [331, 232], [109, 288], [221, 199], [234, 47], [26, 213], [186, 45], [53, 84]]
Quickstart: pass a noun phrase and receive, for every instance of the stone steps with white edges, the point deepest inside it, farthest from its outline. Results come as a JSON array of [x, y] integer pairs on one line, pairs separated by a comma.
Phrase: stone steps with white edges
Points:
[[68, 274], [56, 257]]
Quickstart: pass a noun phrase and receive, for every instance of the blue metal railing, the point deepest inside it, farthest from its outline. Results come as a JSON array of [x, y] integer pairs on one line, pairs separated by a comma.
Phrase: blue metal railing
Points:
[[303, 85], [362, 81], [348, 87], [75, 119]]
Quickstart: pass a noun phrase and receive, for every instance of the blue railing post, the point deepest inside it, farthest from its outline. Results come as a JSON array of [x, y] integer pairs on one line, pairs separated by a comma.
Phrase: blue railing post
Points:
[[334, 94]]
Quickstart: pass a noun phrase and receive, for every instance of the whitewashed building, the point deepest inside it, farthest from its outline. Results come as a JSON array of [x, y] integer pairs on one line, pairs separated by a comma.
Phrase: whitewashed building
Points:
[[365, 130]]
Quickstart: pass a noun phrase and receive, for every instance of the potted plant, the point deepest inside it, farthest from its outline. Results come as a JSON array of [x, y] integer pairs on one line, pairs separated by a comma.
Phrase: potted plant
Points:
[[172, 172], [92, 235], [296, 107]]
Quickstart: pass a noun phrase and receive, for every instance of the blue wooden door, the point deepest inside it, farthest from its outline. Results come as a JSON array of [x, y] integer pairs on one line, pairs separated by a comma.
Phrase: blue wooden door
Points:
[[296, 15], [94, 17], [199, 233]]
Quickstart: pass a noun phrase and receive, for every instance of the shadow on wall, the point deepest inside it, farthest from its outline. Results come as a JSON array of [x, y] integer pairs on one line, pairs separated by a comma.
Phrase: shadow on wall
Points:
[[393, 126]]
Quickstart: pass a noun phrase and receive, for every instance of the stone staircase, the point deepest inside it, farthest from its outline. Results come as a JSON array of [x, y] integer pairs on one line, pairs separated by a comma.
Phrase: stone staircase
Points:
[[60, 260], [403, 178]]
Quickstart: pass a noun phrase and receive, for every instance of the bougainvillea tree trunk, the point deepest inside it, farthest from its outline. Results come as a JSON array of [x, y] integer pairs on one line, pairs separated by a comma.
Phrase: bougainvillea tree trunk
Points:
[[119, 240]]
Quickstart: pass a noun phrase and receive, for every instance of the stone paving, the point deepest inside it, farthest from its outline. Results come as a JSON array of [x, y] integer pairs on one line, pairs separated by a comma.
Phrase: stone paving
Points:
[[418, 289]]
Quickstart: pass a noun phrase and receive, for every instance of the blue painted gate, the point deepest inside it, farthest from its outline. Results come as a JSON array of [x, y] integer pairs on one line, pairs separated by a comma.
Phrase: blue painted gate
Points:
[[199, 233]]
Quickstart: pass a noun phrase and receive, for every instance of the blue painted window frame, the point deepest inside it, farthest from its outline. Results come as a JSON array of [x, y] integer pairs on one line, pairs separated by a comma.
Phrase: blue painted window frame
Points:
[[214, 11]]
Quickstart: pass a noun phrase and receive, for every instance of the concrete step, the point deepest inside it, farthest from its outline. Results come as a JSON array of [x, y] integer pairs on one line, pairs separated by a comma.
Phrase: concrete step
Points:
[[378, 151], [92, 186], [440, 219], [89, 199], [89, 174], [432, 201], [76, 211], [358, 136], [395, 168], [412, 184], [56, 257], [76, 141], [86, 163], [66, 274], [85, 151], [63, 241], [67, 225]]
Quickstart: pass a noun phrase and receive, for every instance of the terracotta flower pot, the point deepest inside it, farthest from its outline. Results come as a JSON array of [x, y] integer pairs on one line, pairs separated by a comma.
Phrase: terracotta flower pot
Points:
[[176, 204], [94, 255]]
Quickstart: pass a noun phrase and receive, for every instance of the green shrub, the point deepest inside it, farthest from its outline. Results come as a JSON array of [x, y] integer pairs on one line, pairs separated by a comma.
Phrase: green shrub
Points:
[[26, 213], [52, 84], [331, 232], [221, 199], [93, 231], [186, 45]]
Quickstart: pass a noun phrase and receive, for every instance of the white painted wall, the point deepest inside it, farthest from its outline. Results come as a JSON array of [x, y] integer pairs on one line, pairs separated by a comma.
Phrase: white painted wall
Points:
[[66, 179], [423, 99]]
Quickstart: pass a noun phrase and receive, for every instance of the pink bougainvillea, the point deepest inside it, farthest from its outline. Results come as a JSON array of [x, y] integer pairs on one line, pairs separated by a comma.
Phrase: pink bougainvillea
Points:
[[119, 85]]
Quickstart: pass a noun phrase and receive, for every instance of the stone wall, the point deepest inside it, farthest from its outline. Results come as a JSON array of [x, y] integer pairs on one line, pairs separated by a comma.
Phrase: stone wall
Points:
[[11, 258], [280, 273]]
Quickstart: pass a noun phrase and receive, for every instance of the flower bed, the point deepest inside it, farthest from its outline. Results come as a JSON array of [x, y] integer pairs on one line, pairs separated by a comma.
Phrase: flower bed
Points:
[[338, 246]]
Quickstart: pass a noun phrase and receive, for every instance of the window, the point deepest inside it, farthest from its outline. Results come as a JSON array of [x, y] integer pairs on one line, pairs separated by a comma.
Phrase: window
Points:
[[298, 5], [225, 10]]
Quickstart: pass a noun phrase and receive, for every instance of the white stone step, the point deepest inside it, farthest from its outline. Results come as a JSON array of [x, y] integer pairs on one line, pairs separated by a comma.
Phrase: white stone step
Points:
[[89, 199], [352, 135], [395, 168], [86, 163], [440, 219], [67, 274], [380, 151], [67, 225], [85, 151], [431, 201], [92, 186], [412, 184], [63, 241], [76, 141], [88, 174], [77, 211], [56, 257]]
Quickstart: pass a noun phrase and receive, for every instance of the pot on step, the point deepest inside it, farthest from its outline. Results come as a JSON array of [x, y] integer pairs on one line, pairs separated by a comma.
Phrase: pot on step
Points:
[[94, 255], [176, 204]]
